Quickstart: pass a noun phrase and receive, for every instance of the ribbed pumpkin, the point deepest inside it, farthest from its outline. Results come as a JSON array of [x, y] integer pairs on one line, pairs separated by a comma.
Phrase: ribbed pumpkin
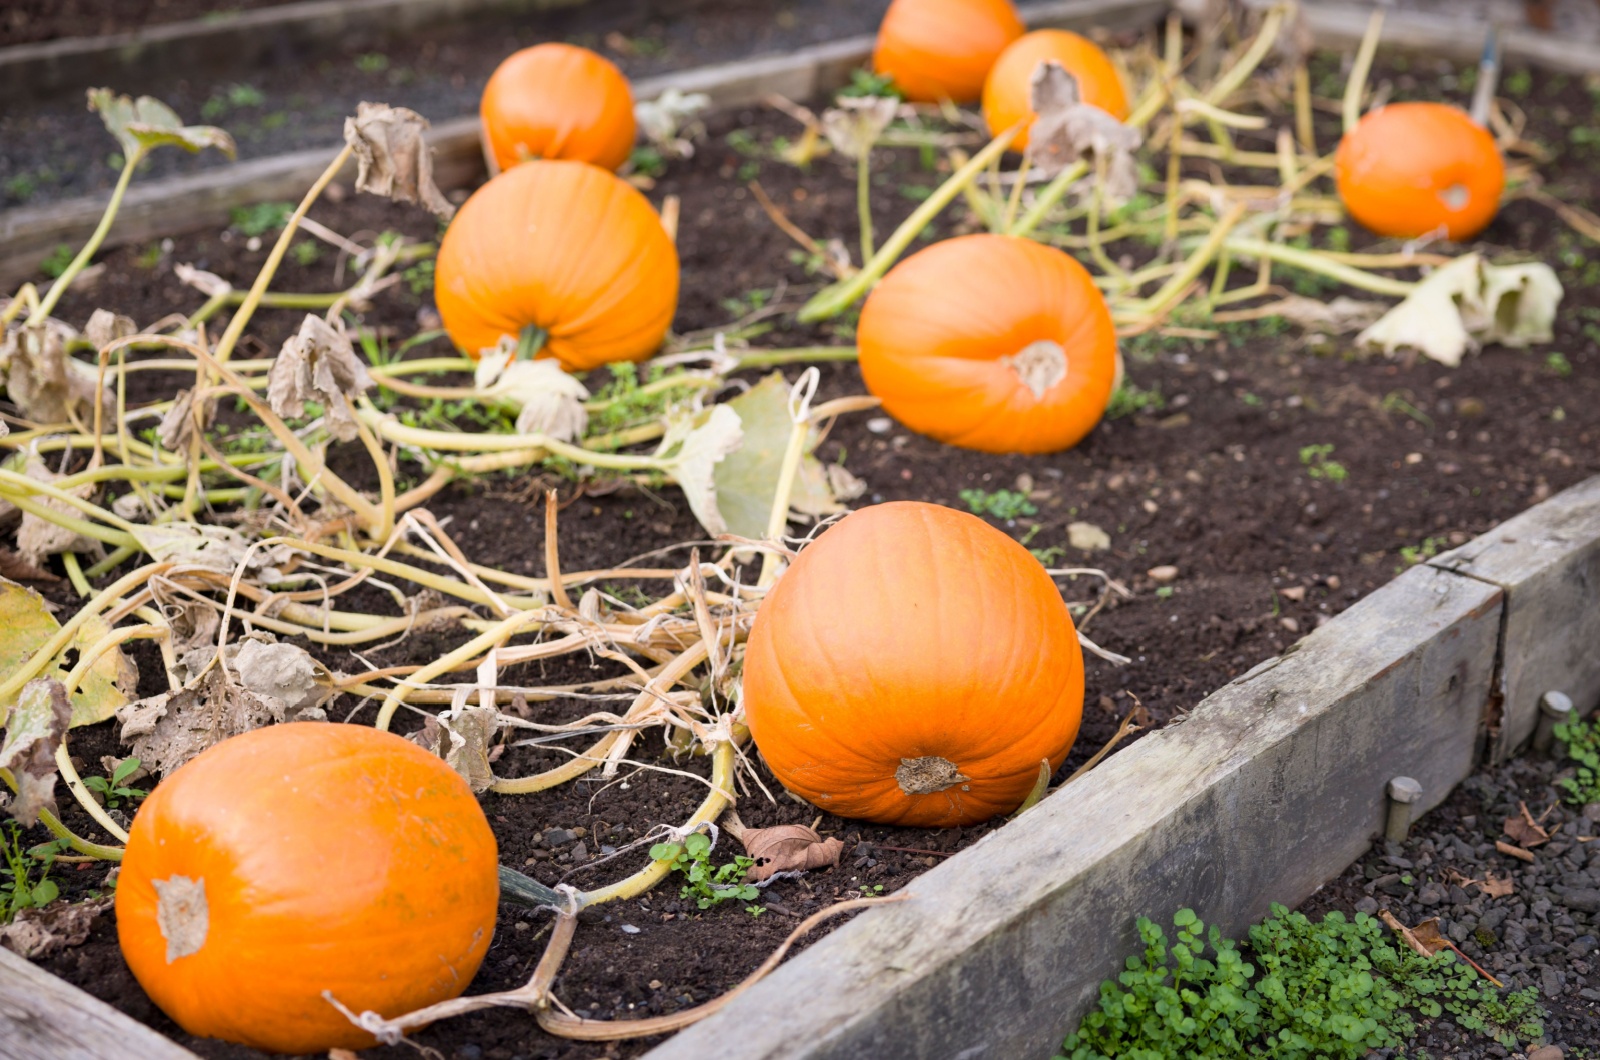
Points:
[[1008, 93], [991, 343], [562, 246], [1411, 169], [943, 49], [558, 101], [300, 858], [913, 667]]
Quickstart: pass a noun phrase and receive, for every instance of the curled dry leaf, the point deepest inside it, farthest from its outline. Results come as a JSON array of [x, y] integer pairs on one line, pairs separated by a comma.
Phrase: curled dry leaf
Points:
[[787, 848], [1068, 129], [266, 683], [105, 327], [39, 933], [178, 425], [694, 465], [392, 157], [461, 736], [17, 569], [1525, 833], [1469, 303], [143, 124], [549, 399], [858, 122], [28, 624], [318, 364], [207, 283], [34, 728], [44, 381], [669, 121]]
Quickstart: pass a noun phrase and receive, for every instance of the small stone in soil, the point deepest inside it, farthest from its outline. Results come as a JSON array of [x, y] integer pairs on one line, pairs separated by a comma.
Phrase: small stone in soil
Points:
[[559, 837], [1164, 573], [629, 929]]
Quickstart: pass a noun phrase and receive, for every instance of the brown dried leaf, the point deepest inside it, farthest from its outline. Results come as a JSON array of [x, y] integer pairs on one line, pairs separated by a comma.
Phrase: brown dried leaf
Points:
[[105, 327], [1427, 933], [38, 537], [1496, 886], [1524, 832], [392, 157], [1068, 129], [1514, 851], [39, 933], [34, 729], [788, 848], [461, 736], [177, 426], [14, 567], [318, 364], [44, 382]]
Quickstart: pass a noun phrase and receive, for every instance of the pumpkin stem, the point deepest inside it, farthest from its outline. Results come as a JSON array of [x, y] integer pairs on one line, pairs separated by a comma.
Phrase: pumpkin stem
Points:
[[531, 341], [1041, 365], [924, 776], [182, 914]]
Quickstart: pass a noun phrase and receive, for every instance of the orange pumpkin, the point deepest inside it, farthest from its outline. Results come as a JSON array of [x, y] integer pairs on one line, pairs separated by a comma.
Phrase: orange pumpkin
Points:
[[942, 49], [992, 343], [300, 858], [558, 101], [563, 247], [1008, 93], [913, 667], [1412, 169]]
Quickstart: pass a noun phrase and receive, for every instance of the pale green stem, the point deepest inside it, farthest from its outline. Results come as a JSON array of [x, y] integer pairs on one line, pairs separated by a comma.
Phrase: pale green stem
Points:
[[59, 288], [1311, 261], [1048, 198], [864, 201]]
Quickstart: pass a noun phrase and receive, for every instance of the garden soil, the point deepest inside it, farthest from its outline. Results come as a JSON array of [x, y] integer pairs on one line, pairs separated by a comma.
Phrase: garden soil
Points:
[[1282, 478]]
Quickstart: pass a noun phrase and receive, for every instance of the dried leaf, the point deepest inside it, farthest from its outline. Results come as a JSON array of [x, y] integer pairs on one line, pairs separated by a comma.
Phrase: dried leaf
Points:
[[1068, 129], [1338, 317], [105, 327], [666, 119], [34, 729], [318, 364], [858, 122], [549, 399], [1427, 933], [44, 382], [1496, 886], [216, 548], [462, 737], [207, 283], [39, 537], [17, 569], [39, 933], [278, 683], [178, 425], [29, 624], [143, 124], [1468, 303], [1525, 833], [694, 465], [1513, 851], [393, 159], [788, 848]]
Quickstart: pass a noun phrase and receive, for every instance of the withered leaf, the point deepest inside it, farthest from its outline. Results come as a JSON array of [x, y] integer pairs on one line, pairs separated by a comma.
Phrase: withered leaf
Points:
[[105, 327], [318, 364], [18, 569], [177, 426], [858, 122], [1525, 833], [39, 537], [788, 848], [1068, 129], [34, 729], [1427, 933], [461, 736], [392, 157], [43, 381], [40, 933], [28, 625], [1497, 886]]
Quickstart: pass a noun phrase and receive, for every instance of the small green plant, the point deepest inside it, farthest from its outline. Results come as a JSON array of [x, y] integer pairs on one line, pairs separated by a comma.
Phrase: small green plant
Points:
[[419, 277], [21, 187], [864, 82], [648, 161], [1558, 363], [260, 218], [1518, 82], [1414, 554], [19, 889], [56, 264], [1582, 740], [1002, 504], [1128, 399], [1316, 460], [307, 252], [708, 885], [752, 301], [231, 98], [372, 62], [113, 790]]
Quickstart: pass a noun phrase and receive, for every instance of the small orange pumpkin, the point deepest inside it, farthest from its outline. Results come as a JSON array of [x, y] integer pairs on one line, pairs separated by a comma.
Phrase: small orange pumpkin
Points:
[[563, 247], [1008, 93], [558, 101], [1411, 169], [300, 858], [913, 667], [991, 343], [942, 49]]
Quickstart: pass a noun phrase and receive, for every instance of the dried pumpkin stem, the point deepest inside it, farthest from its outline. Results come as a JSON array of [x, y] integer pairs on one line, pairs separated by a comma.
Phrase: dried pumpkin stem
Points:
[[1355, 89], [1315, 261]]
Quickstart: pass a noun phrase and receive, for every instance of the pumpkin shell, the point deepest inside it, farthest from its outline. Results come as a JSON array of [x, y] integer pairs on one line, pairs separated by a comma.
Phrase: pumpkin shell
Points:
[[913, 667], [330, 857], [990, 342], [1008, 92], [558, 101], [1409, 169], [568, 247], [943, 49]]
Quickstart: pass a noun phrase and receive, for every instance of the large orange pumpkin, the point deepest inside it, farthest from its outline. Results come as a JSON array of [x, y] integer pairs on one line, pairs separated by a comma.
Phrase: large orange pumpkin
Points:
[[558, 101], [1412, 169], [1008, 93], [990, 342], [564, 247], [301, 858], [942, 49], [913, 667]]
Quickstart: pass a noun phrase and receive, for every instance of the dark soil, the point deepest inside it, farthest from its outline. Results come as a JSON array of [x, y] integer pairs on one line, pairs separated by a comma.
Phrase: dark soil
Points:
[[26, 21], [56, 149], [1214, 482]]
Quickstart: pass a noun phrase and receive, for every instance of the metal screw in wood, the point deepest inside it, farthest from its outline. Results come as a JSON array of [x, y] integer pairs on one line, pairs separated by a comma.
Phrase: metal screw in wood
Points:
[[1403, 793], [1555, 708]]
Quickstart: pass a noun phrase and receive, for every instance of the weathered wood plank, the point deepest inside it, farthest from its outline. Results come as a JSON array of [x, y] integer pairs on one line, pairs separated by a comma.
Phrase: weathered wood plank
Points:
[[43, 1018], [1273, 785], [1548, 562], [230, 40], [184, 204]]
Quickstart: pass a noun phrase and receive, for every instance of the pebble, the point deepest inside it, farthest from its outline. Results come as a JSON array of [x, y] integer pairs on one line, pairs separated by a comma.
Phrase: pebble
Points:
[[559, 837], [1547, 1052], [629, 929], [1368, 906], [1163, 574]]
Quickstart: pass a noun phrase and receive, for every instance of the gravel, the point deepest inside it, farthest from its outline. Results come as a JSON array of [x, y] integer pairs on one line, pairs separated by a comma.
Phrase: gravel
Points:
[[1544, 934]]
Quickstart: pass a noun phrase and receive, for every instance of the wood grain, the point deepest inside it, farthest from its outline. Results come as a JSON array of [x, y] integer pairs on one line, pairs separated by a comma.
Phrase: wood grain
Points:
[[43, 1018]]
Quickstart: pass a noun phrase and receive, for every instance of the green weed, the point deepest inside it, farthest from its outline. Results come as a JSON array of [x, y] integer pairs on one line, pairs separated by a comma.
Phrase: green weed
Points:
[[707, 884], [56, 264], [19, 889], [1316, 460], [113, 790], [260, 218], [1128, 399], [1002, 504]]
